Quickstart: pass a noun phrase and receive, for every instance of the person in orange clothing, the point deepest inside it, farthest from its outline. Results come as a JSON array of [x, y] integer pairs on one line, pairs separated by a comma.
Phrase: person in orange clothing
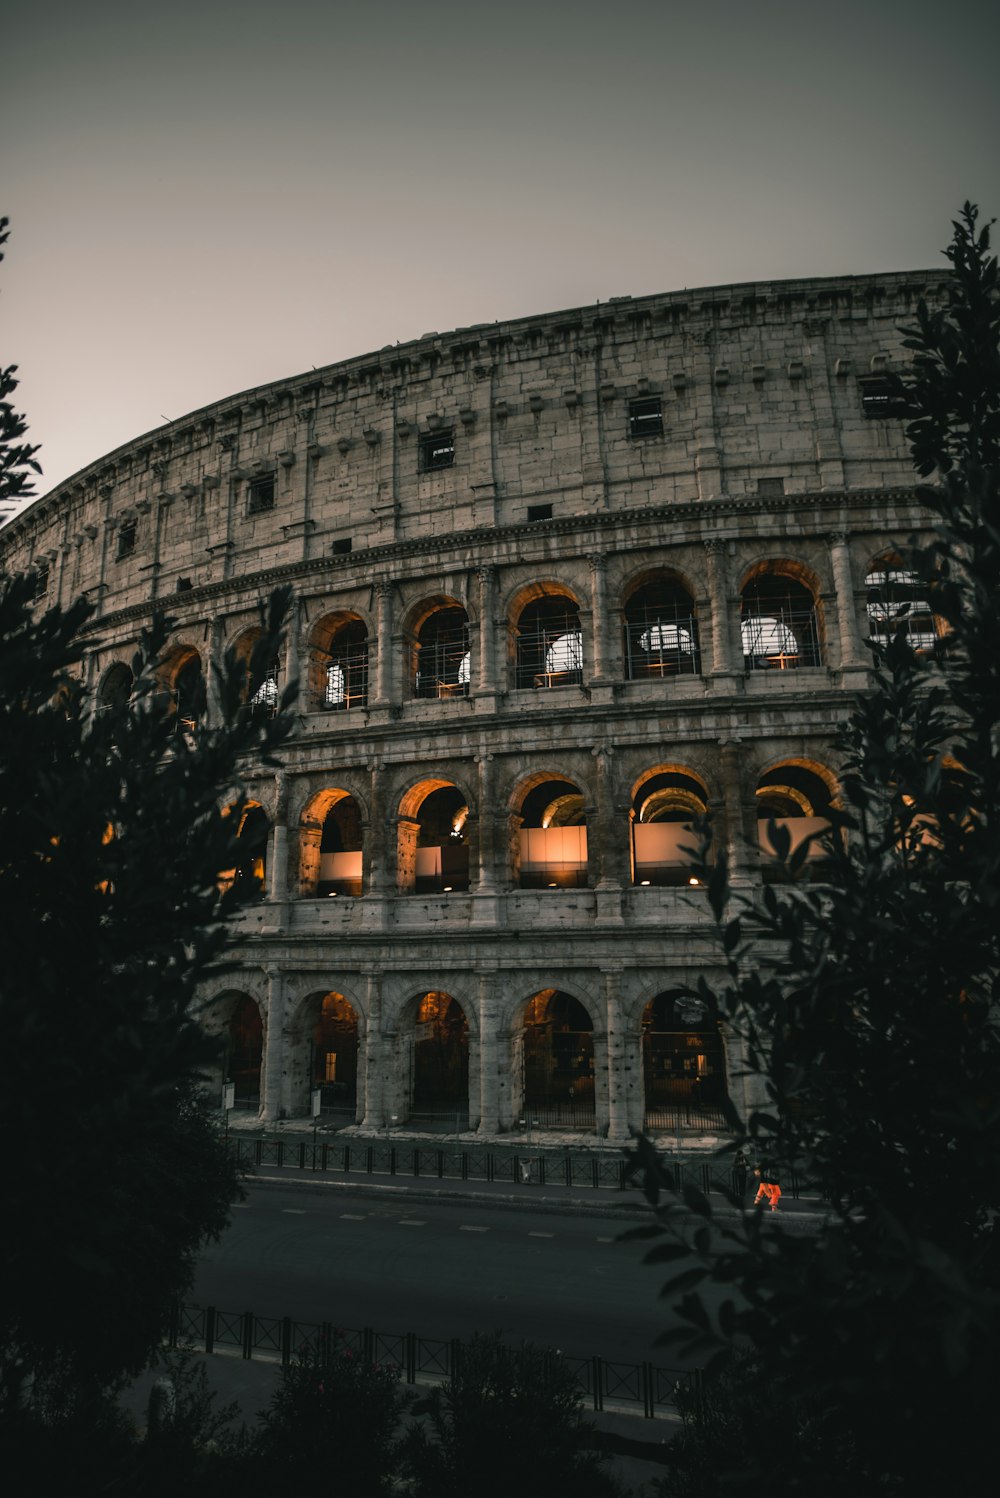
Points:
[[768, 1189]]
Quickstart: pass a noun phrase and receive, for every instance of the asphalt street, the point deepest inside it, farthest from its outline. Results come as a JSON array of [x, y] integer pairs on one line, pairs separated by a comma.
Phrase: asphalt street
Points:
[[438, 1269]]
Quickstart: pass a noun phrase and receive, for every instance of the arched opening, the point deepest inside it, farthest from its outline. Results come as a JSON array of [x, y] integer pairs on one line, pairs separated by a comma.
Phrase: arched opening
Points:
[[340, 850], [683, 1067], [558, 1082], [338, 663], [664, 840], [433, 840], [779, 623], [552, 842], [181, 674], [245, 1051], [548, 643], [795, 797], [335, 1058], [260, 691], [661, 632], [250, 869], [116, 688], [439, 1064], [898, 604], [440, 659]]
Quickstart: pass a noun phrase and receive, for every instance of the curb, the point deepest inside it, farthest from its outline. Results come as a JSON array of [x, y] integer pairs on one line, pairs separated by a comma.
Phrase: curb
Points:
[[630, 1209]]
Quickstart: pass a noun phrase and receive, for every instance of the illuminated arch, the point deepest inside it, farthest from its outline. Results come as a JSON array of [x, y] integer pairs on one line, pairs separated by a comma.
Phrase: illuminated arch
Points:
[[779, 618], [661, 629], [666, 804], [337, 671], [439, 654], [546, 637], [550, 848]]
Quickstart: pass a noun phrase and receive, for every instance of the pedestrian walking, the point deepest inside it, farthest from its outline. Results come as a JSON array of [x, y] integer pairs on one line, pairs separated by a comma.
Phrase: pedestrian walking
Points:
[[741, 1166], [768, 1189]]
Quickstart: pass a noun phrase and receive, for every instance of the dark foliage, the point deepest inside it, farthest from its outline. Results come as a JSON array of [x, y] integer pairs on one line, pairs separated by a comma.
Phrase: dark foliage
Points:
[[333, 1413], [509, 1421], [17, 458], [869, 1009], [112, 841]]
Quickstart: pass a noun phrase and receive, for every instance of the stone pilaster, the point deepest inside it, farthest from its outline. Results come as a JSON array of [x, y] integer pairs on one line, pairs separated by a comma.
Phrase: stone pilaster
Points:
[[598, 616], [274, 1032], [372, 1061], [617, 1075], [718, 603], [851, 650], [740, 853], [484, 684], [384, 672], [489, 1068]]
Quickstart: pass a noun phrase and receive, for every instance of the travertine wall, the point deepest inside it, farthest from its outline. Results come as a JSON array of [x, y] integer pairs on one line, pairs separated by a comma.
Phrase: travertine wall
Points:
[[766, 464]]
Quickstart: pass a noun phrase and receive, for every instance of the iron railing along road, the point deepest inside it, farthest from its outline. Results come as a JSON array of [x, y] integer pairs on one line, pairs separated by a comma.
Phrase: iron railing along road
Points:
[[590, 1169], [629, 1388]]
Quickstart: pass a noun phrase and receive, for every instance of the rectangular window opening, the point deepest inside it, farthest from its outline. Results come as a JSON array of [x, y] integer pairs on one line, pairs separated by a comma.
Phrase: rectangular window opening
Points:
[[770, 488], [341, 546], [260, 496], [879, 399], [126, 540], [645, 417], [539, 512], [41, 582], [437, 450]]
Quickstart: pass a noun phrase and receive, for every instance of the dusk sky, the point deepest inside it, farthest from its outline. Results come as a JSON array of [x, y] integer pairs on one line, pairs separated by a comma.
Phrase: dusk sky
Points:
[[206, 197]]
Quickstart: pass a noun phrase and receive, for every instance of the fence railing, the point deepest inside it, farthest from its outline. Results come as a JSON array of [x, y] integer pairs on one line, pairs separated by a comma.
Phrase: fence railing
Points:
[[590, 1169], [631, 1388]]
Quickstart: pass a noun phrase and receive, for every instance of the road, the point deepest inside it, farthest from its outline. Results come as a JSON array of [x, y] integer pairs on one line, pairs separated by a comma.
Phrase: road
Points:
[[437, 1269]]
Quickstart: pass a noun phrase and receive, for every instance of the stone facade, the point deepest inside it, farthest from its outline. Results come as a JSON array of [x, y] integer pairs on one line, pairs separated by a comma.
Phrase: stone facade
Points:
[[560, 584]]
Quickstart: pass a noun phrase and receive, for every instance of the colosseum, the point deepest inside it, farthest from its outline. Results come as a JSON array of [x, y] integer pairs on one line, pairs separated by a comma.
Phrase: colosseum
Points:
[[561, 585]]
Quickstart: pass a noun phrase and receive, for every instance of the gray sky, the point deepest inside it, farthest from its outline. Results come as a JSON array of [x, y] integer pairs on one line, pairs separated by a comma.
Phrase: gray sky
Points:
[[205, 197]]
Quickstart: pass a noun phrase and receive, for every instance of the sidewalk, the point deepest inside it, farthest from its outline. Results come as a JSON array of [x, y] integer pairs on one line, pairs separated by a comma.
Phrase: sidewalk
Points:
[[635, 1446], [554, 1174]]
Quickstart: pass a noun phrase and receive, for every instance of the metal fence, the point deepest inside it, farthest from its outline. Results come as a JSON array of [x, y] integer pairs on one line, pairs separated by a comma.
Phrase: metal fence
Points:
[[591, 1169], [631, 1388]]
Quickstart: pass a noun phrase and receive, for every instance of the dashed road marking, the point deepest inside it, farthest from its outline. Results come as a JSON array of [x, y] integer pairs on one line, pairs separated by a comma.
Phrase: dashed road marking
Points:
[[411, 1222], [466, 1227], [605, 1240], [353, 1216], [242, 1206], [541, 1235], [294, 1211]]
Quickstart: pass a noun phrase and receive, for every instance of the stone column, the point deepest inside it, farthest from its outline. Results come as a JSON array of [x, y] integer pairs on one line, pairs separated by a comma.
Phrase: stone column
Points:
[[598, 615], [212, 671], [278, 882], [489, 1079], [378, 865], [487, 881], [741, 857], [617, 1078], [851, 650], [384, 674], [486, 679], [374, 1057], [270, 1093], [610, 846], [292, 649], [718, 602]]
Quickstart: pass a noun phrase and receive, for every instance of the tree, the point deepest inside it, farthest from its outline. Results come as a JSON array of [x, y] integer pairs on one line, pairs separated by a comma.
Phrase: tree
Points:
[[868, 1006], [114, 835], [17, 458], [508, 1420], [332, 1407]]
